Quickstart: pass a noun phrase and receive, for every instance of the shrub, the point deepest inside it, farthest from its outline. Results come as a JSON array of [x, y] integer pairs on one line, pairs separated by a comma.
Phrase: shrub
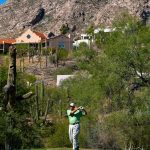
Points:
[[60, 137]]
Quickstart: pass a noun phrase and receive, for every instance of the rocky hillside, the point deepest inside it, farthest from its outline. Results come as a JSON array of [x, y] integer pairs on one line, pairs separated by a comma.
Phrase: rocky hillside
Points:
[[49, 15]]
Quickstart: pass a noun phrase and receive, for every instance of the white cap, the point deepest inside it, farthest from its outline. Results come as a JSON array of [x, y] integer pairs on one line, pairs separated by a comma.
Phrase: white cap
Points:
[[72, 104]]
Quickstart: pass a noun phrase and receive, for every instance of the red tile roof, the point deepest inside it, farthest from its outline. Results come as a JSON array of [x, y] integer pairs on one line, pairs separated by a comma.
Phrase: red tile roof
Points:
[[41, 35], [8, 41]]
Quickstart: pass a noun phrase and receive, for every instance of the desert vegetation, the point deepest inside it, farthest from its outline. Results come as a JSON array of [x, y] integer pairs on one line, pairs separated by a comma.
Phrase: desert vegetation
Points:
[[111, 82]]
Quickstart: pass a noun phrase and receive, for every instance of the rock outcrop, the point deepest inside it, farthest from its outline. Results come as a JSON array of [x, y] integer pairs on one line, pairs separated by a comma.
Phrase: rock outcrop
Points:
[[49, 15]]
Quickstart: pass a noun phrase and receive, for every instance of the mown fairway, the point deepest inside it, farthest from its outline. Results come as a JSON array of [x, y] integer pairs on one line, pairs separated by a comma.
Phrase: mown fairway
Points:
[[62, 149], [68, 149]]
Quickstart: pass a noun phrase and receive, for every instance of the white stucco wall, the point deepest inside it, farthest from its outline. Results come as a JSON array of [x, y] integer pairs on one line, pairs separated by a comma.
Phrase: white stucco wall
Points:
[[78, 42], [61, 78]]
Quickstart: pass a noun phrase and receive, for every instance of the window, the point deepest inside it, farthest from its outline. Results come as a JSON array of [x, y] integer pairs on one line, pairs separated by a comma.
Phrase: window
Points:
[[43, 44], [48, 44], [86, 37], [61, 45], [28, 36]]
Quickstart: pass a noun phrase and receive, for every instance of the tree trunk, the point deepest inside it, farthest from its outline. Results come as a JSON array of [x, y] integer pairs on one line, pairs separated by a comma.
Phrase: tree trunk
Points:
[[42, 97], [47, 108], [37, 102], [22, 64], [46, 60]]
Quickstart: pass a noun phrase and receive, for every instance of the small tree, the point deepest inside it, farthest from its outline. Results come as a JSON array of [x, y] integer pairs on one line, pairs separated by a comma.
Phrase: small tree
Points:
[[22, 49], [64, 29]]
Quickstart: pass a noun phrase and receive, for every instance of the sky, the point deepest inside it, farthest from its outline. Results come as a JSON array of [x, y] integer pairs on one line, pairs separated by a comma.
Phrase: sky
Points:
[[2, 1]]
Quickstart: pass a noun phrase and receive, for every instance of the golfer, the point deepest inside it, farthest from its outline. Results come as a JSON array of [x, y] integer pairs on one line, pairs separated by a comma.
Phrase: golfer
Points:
[[74, 114]]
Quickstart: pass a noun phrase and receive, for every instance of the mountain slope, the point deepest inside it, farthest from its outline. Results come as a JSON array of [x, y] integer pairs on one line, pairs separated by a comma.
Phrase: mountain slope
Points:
[[49, 15]]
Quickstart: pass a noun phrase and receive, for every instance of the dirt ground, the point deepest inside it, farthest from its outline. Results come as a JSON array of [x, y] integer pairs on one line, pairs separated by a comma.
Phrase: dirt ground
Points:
[[40, 70]]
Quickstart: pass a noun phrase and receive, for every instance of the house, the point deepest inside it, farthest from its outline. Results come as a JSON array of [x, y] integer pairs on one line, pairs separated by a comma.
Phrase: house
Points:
[[106, 30], [51, 34], [60, 41], [85, 38], [32, 37], [5, 44]]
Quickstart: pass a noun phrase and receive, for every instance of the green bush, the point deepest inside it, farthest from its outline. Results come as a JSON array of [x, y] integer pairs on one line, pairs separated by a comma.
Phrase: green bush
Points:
[[23, 135], [64, 29], [22, 49], [60, 137], [62, 71], [62, 54]]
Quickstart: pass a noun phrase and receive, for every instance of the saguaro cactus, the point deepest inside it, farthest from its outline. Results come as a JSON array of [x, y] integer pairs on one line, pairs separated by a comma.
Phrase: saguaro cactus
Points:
[[10, 87], [10, 95]]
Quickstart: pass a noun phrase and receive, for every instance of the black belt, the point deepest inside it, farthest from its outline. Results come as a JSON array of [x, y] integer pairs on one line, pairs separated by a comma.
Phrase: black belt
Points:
[[75, 123]]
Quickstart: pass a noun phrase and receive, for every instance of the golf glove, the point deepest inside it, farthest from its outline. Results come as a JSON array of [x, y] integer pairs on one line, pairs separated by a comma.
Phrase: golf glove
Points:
[[81, 108]]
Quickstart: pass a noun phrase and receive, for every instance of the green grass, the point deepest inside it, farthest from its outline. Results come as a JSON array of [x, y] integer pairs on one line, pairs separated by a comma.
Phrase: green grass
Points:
[[68, 149], [62, 149]]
